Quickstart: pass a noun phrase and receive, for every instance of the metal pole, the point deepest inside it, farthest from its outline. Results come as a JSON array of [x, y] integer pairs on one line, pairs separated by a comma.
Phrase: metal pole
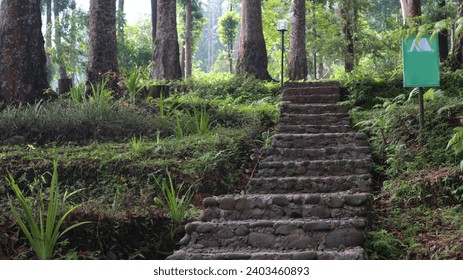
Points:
[[282, 57], [421, 106]]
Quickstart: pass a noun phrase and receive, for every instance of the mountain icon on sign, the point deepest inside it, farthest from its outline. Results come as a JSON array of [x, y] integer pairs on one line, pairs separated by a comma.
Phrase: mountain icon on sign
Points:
[[422, 46]]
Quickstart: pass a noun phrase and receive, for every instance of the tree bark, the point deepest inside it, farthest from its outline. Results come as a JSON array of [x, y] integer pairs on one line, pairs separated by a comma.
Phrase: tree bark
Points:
[[48, 37], [166, 49], [443, 36], [188, 39], [410, 9], [120, 20], [23, 72], [154, 20], [252, 53], [349, 57], [102, 46], [297, 65]]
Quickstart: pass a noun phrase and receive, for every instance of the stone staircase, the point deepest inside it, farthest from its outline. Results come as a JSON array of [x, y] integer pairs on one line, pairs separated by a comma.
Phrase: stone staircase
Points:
[[311, 194]]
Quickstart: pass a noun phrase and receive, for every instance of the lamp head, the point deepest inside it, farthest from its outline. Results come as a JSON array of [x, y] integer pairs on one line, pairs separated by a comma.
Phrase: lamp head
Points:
[[282, 25]]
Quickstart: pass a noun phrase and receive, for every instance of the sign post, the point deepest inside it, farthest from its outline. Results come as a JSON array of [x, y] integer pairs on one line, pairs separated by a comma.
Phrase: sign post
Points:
[[421, 66]]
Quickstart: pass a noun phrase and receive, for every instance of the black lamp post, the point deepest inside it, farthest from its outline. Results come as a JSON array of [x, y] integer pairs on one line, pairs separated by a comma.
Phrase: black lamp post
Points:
[[282, 26]]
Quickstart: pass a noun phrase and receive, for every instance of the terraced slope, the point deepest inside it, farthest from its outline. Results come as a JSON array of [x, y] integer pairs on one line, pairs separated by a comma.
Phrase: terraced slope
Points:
[[310, 197]]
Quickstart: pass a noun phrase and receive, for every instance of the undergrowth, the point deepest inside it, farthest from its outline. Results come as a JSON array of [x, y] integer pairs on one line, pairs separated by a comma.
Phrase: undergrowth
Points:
[[115, 147], [419, 185]]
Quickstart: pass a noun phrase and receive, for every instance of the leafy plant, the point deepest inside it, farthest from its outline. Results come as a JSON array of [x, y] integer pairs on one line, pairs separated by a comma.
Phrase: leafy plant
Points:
[[77, 93], [44, 234], [133, 84], [175, 198], [137, 143], [456, 143], [201, 120], [383, 245], [101, 96]]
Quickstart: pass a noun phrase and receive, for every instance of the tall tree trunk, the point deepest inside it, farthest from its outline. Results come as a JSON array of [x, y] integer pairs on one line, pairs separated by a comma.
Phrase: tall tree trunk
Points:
[[56, 10], [252, 53], [320, 69], [347, 30], [166, 49], [23, 72], [48, 38], [457, 55], [230, 58], [210, 34], [154, 19], [102, 46], [444, 35], [120, 20], [188, 39], [410, 9], [297, 65]]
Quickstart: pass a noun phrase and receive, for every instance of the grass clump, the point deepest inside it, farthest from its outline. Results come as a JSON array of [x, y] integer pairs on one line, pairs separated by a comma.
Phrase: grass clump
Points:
[[41, 227]]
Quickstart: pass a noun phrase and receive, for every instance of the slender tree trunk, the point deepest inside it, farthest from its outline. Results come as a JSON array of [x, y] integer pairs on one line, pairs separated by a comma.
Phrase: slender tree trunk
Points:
[[230, 58], [56, 10], [444, 35], [252, 53], [102, 47], [48, 38], [120, 20], [457, 55], [188, 39], [23, 72], [73, 50], [349, 57], [297, 65], [410, 9], [183, 60], [210, 34], [166, 49], [154, 20], [320, 69]]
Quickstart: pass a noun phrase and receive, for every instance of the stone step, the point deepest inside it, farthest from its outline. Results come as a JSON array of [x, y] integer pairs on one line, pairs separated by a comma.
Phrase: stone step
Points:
[[319, 140], [311, 84], [312, 108], [313, 129], [315, 119], [285, 206], [314, 168], [300, 234], [356, 253], [312, 98], [324, 90], [278, 185], [328, 153]]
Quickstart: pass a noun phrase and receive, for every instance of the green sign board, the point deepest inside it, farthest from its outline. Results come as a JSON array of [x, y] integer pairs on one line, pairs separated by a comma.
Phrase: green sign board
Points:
[[421, 62]]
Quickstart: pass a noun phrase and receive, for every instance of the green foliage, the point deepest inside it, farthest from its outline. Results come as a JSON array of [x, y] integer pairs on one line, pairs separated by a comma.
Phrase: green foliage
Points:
[[136, 48], [456, 143], [200, 120], [137, 144], [44, 233], [71, 42], [134, 83], [198, 21], [175, 198], [383, 245], [228, 28], [243, 89]]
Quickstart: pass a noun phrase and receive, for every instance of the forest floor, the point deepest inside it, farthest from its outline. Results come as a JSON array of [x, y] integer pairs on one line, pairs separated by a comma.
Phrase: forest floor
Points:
[[113, 152], [117, 155]]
